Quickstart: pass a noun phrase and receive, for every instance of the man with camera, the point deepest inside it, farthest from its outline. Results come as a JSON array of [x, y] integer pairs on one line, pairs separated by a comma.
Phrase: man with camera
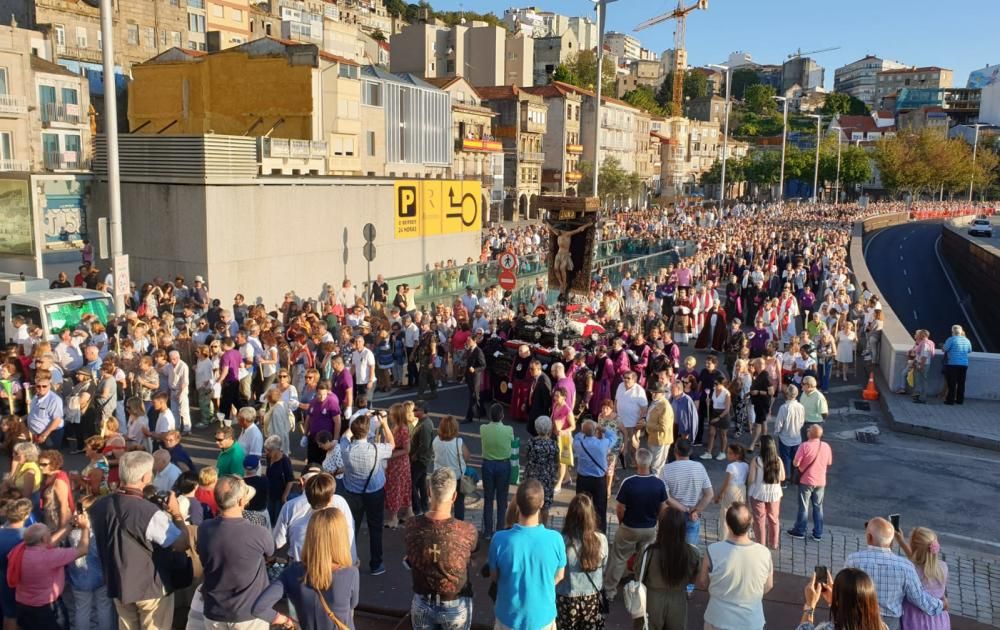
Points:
[[134, 534]]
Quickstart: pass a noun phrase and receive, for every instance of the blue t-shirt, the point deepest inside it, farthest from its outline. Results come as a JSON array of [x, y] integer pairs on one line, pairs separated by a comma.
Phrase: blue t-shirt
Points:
[[9, 537], [527, 559], [642, 496]]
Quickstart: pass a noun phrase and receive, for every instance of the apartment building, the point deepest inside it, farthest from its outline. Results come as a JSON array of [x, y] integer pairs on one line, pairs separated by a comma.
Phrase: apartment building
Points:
[[228, 23], [478, 154], [618, 133], [550, 51], [542, 24], [709, 108], [561, 144], [143, 28], [859, 78], [479, 52], [645, 159], [622, 45], [688, 149], [520, 125], [889, 82]]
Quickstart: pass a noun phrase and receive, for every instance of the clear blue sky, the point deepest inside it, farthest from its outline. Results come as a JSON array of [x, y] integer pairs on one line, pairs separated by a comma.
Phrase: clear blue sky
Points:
[[959, 35]]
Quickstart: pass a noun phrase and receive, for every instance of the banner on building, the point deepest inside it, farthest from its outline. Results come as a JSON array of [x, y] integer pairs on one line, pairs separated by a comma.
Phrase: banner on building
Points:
[[429, 207], [63, 202], [15, 218]]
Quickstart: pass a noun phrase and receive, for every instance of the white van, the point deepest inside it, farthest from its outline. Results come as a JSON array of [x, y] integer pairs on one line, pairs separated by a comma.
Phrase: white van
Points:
[[51, 309]]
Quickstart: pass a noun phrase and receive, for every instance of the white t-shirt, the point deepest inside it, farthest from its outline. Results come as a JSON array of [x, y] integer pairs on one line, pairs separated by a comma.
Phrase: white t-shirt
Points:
[[297, 528], [738, 472], [165, 422], [362, 362], [252, 440], [630, 403]]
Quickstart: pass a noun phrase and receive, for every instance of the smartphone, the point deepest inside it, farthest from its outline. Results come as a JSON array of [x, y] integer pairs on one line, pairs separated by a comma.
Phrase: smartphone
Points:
[[822, 574], [79, 508], [894, 519]]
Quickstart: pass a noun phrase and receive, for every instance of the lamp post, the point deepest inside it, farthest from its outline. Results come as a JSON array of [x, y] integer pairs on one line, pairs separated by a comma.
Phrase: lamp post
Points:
[[602, 12], [975, 146], [111, 136], [784, 136], [819, 122], [840, 134], [725, 133]]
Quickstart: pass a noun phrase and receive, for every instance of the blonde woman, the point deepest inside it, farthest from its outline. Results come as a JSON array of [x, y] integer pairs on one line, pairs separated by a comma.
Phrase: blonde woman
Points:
[[924, 551], [25, 475], [323, 586]]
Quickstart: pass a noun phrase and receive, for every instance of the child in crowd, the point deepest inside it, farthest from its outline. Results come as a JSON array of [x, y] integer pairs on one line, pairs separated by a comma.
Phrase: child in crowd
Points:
[[205, 493], [924, 551]]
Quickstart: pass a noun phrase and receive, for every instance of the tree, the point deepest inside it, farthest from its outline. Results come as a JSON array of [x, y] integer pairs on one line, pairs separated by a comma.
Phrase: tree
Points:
[[395, 8], [741, 79], [643, 98], [695, 84], [987, 170], [378, 35], [759, 99], [582, 68], [564, 74], [614, 181], [836, 103], [858, 107]]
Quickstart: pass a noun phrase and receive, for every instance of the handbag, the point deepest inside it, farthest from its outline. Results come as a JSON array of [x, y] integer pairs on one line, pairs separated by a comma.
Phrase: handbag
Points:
[[565, 449], [634, 593], [605, 604], [467, 483], [329, 613]]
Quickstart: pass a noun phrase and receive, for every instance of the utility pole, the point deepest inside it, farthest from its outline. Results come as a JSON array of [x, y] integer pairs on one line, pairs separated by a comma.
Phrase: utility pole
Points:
[[784, 136], [111, 138], [602, 12], [975, 146]]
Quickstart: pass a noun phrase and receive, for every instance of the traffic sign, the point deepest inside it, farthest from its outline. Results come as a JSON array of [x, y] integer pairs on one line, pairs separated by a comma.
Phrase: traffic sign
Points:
[[508, 261], [369, 232], [122, 281], [507, 280], [369, 251]]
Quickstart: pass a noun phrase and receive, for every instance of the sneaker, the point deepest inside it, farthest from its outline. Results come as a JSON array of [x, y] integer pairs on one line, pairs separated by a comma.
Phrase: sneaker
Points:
[[816, 538], [794, 534], [720, 456], [379, 570], [705, 455]]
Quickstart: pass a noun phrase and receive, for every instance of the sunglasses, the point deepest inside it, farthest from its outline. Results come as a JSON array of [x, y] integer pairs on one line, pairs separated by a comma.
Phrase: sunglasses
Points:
[[43, 464], [41, 386], [220, 439], [282, 376]]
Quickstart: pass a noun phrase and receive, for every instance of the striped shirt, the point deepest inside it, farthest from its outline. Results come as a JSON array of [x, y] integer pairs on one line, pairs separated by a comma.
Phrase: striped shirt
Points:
[[895, 579], [957, 349], [686, 480]]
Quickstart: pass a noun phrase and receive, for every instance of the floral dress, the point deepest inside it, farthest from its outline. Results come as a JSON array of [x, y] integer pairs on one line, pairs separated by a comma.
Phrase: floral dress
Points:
[[540, 463], [741, 403], [397, 475]]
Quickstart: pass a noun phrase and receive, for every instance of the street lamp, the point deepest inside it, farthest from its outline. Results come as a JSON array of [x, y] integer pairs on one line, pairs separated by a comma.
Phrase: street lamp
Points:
[[725, 134], [111, 136], [819, 122], [784, 136], [975, 145], [602, 12], [840, 135]]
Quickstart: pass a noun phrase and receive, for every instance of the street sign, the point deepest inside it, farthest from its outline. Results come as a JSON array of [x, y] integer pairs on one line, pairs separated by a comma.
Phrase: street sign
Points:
[[369, 232], [507, 280], [369, 251], [122, 282], [508, 261]]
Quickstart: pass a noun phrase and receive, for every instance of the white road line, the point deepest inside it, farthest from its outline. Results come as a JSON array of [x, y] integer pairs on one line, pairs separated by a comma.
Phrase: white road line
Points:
[[900, 259], [904, 272], [908, 291], [900, 246], [914, 313], [944, 270], [413, 394], [870, 241], [970, 539]]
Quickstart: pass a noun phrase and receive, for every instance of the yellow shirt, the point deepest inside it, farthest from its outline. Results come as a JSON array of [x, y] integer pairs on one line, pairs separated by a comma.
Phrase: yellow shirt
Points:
[[23, 470], [660, 423]]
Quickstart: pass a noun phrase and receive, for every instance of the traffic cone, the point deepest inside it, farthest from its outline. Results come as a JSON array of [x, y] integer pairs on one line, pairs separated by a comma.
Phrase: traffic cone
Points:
[[871, 392]]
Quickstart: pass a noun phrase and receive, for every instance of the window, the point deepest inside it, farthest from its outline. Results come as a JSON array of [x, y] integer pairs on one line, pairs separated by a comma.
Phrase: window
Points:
[[3, 81], [267, 29], [175, 38], [60, 35], [69, 96], [236, 15], [347, 71], [133, 34], [6, 146], [370, 141], [72, 144], [196, 4], [100, 41], [196, 23], [81, 37], [218, 10], [372, 94], [148, 37]]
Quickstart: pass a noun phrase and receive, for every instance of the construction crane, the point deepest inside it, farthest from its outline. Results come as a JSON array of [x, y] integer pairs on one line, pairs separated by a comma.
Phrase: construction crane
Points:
[[680, 52], [798, 53]]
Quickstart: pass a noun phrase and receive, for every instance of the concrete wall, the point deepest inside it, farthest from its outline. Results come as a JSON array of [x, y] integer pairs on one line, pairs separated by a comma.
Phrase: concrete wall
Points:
[[976, 264], [266, 238], [981, 382]]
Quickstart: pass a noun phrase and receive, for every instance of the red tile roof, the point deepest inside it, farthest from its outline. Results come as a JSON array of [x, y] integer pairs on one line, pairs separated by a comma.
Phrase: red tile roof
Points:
[[884, 113], [582, 91], [338, 59], [498, 92]]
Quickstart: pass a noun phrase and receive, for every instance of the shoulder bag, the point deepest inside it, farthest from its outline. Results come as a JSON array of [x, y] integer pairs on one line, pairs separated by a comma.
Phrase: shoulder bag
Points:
[[467, 485], [635, 591], [329, 613], [605, 605], [177, 565]]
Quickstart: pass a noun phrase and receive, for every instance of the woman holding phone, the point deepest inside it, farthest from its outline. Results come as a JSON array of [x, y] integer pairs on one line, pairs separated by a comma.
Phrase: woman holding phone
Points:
[[851, 597]]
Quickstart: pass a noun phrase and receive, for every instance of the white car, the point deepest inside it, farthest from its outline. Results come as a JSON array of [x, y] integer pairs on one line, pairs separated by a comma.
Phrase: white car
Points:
[[981, 227]]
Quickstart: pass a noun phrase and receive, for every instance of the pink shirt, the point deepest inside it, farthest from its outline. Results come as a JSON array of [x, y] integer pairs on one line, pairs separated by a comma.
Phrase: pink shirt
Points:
[[812, 459], [43, 575]]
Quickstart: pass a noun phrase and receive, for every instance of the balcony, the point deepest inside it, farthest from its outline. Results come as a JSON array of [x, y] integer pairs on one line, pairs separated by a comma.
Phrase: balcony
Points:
[[11, 104], [78, 53], [286, 148], [574, 176], [15, 165], [530, 156], [284, 156], [67, 113], [65, 161], [479, 145], [575, 149]]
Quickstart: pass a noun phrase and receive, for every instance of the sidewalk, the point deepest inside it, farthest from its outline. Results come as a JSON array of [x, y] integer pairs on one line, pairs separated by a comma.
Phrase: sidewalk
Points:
[[973, 423], [969, 583]]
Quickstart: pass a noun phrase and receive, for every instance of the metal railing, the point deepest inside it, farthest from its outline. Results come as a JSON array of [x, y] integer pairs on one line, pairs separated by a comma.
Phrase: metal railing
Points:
[[531, 156], [64, 160], [61, 113], [15, 165], [284, 147], [13, 104]]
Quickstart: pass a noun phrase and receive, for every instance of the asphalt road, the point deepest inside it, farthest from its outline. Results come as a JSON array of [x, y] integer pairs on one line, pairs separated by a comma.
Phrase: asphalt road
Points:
[[913, 279]]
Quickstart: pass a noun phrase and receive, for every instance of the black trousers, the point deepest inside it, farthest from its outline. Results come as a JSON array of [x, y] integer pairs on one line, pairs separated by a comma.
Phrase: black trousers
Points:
[[370, 507], [426, 378], [419, 498], [230, 397], [53, 616], [597, 488], [475, 384], [954, 376]]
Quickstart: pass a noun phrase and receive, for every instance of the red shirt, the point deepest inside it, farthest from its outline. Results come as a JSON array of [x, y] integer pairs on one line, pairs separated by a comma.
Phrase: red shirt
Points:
[[207, 497], [812, 459]]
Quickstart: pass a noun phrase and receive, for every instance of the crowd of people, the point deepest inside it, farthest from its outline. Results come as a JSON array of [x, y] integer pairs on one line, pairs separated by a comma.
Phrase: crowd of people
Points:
[[767, 296]]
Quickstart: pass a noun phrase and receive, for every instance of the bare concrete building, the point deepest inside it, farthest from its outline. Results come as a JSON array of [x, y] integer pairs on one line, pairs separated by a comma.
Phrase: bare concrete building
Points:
[[562, 144], [550, 52]]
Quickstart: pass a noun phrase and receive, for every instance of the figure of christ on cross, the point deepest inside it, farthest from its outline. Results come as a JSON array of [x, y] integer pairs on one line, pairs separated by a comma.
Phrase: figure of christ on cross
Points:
[[562, 261]]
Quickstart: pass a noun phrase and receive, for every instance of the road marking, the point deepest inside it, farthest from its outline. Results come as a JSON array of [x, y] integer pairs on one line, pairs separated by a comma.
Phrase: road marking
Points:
[[961, 305], [970, 539], [904, 272], [870, 241], [413, 394], [908, 291], [914, 313], [900, 259], [900, 246]]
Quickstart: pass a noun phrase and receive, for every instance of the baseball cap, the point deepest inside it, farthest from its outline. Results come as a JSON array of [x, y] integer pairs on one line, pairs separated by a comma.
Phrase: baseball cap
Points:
[[251, 462]]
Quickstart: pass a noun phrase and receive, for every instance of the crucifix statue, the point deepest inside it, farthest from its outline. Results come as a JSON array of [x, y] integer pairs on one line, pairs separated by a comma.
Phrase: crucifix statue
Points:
[[562, 261]]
